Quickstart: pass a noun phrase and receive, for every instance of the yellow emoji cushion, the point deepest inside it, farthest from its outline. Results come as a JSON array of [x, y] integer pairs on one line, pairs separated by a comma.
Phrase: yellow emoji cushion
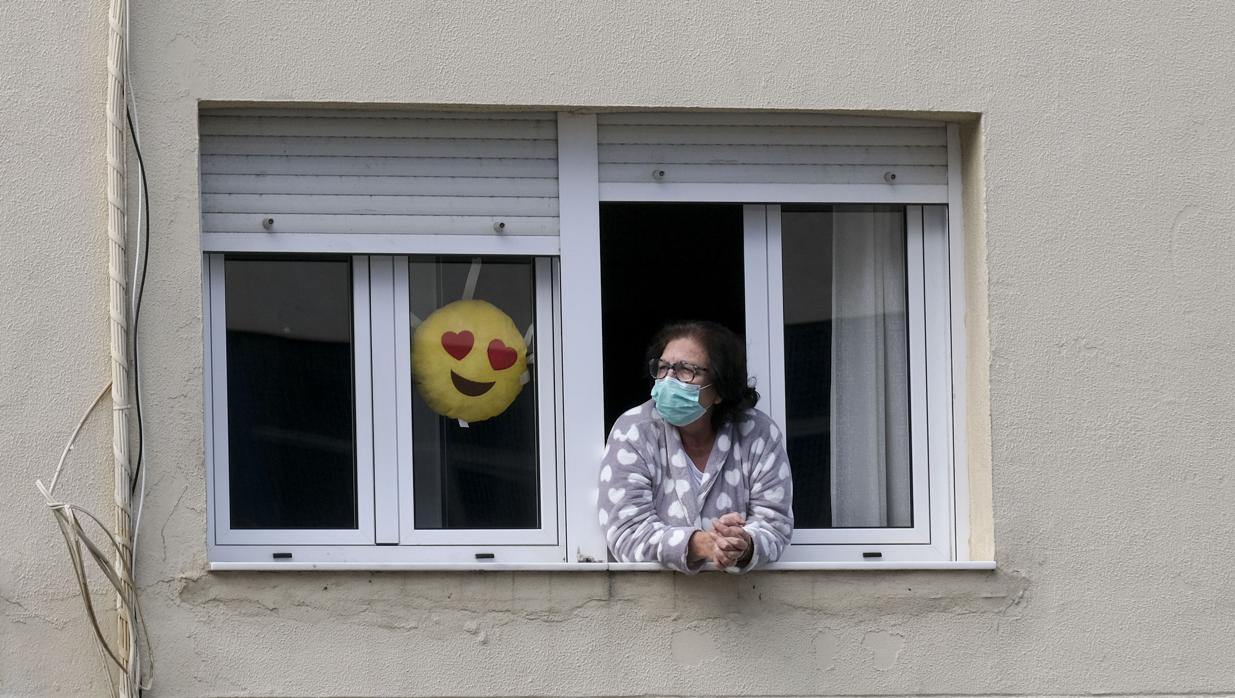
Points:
[[468, 360]]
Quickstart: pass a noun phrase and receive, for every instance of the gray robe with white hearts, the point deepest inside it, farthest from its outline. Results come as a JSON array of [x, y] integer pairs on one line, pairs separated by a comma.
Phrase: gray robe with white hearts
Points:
[[649, 504]]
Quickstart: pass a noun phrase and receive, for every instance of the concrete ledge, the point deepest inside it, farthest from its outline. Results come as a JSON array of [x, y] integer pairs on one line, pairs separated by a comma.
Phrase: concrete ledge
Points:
[[576, 566]]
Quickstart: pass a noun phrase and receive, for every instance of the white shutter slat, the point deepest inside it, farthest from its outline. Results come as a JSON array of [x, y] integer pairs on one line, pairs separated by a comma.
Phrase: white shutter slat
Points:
[[377, 114], [772, 155], [772, 174], [394, 167], [381, 128], [274, 204], [377, 185], [467, 148], [249, 223], [343, 172], [754, 118], [773, 135], [843, 157]]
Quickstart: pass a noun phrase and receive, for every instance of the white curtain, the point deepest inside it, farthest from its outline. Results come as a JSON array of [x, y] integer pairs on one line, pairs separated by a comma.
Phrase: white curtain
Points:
[[870, 391]]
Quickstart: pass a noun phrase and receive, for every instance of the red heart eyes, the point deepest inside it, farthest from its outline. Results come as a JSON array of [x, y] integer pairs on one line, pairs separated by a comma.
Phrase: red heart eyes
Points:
[[501, 356], [459, 344]]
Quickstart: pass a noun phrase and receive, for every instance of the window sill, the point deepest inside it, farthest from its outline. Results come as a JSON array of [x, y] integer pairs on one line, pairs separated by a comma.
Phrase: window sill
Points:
[[576, 566]]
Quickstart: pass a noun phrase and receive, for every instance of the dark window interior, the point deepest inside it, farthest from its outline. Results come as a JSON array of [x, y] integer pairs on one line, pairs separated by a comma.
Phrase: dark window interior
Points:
[[481, 476], [807, 277], [661, 263], [291, 443]]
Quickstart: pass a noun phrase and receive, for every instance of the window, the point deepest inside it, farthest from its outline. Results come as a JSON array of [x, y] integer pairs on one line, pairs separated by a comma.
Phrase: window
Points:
[[484, 476], [857, 365], [341, 388], [420, 325], [492, 482]]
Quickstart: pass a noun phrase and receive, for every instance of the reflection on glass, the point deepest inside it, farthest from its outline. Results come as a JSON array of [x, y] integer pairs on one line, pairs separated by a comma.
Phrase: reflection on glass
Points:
[[475, 474], [847, 366], [291, 444]]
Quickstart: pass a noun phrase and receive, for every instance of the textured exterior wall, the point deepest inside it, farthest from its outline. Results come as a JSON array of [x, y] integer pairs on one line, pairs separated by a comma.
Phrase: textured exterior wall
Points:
[[53, 330], [1104, 193]]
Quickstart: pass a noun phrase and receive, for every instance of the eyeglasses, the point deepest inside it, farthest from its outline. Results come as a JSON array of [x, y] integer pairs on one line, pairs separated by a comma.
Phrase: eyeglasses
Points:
[[682, 370]]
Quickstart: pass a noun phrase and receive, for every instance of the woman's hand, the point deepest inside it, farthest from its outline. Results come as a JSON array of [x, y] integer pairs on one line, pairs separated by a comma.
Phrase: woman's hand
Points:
[[732, 545], [701, 546], [727, 544]]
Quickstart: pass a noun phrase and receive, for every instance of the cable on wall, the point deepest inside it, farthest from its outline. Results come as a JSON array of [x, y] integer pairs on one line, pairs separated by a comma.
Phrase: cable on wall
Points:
[[117, 226], [127, 659], [141, 657]]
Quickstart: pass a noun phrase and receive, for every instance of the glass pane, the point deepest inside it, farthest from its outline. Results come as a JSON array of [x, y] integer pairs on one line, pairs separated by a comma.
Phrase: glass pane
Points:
[[474, 406], [847, 366], [291, 442]]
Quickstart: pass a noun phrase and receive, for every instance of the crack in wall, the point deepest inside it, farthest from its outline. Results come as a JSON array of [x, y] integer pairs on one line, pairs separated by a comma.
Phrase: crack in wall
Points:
[[170, 513], [17, 612]]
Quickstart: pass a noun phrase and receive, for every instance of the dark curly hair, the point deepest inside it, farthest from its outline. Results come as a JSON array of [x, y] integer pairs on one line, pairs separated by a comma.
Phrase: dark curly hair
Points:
[[727, 363]]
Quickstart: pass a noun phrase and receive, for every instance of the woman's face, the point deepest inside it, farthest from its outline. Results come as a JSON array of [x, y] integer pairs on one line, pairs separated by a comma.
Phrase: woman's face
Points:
[[688, 350]]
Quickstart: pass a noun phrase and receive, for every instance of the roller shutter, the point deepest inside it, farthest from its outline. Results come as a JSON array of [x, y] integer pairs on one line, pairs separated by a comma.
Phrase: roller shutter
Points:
[[345, 172], [639, 152]]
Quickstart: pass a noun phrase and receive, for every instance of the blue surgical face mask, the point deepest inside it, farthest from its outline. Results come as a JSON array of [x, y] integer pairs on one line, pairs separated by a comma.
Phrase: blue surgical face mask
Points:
[[678, 402]]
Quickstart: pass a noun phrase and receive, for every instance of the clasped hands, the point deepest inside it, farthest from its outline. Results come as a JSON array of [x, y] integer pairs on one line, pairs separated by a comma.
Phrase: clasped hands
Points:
[[727, 544]]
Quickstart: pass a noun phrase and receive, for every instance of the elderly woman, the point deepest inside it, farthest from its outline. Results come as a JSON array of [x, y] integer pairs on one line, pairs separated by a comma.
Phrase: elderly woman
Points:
[[696, 475]]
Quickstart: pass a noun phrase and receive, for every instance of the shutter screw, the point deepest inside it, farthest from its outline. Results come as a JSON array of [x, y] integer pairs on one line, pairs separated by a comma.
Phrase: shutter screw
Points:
[[499, 227], [658, 174], [267, 223], [889, 177]]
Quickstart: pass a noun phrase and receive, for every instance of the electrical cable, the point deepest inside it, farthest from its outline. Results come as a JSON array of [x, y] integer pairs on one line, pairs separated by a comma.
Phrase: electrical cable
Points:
[[143, 243], [138, 485], [119, 571], [142, 255], [139, 679], [128, 661], [120, 578]]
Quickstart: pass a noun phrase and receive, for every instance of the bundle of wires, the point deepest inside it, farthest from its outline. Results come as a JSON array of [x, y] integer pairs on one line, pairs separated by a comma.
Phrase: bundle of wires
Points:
[[128, 662], [128, 659]]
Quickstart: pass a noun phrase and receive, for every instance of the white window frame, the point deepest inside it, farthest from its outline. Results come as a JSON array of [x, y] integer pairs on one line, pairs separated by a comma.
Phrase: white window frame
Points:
[[216, 358], [929, 321], [382, 388], [575, 440], [478, 540]]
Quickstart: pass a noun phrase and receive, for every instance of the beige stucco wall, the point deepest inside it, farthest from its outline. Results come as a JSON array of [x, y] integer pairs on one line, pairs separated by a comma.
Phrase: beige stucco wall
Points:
[[1100, 179]]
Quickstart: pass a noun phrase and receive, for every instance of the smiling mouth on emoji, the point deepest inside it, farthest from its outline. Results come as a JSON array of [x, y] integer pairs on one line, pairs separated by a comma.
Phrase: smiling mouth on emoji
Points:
[[469, 388]]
